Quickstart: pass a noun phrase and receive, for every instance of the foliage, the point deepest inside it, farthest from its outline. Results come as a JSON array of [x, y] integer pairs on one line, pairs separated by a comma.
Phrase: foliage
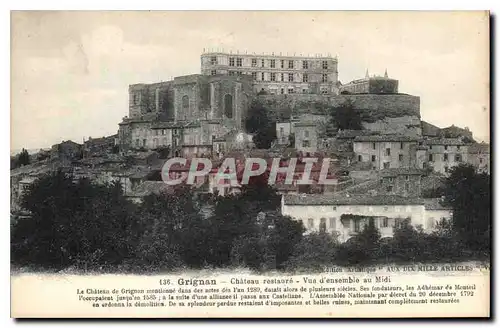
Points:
[[90, 226], [468, 192], [259, 123], [315, 251], [73, 223], [163, 152], [21, 159], [345, 116]]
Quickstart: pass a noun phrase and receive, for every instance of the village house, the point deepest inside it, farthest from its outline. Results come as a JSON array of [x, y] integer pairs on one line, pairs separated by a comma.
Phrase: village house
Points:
[[306, 137], [386, 151], [346, 216], [441, 154], [479, 156]]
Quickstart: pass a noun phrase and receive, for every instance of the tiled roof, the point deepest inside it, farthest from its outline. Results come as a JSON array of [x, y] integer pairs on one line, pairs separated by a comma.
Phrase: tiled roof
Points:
[[387, 137], [444, 141], [309, 199]]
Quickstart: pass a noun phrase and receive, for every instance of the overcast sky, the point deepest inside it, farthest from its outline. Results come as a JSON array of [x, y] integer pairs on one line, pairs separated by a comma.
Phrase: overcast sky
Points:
[[71, 70]]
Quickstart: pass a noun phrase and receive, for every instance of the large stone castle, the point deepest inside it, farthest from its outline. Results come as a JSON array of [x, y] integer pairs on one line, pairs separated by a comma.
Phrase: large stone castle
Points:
[[190, 114]]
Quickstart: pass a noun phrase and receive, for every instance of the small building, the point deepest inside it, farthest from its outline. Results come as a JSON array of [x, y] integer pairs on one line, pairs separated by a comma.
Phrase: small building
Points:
[[479, 156], [306, 137], [347, 216], [402, 181], [386, 151], [371, 84], [443, 154]]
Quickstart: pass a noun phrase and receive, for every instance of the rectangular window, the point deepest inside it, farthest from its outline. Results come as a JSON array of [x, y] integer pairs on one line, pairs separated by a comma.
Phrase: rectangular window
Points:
[[273, 63], [360, 158], [324, 78], [458, 147], [282, 91], [262, 76], [431, 158], [273, 77], [445, 147], [374, 158], [290, 64], [306, 134], [213, 72], [290, 77], [254, 75], [282, 77], [239, 62], [458, 158], [306, 143], [325, 64], [389, 188], [480, 161], [239, 73], [310, 223], [401, 145], [163, 132], [357, 225], [445, 157], [213, 60], [305, 64], [386, 165], [231, 61], [332, 223], [407, 177], [254, 62], [305, 78], [290, 90], [385, 222], [400, 157], [282, 63], [262, 63], [388, 151], [430, 146], [374, 146]]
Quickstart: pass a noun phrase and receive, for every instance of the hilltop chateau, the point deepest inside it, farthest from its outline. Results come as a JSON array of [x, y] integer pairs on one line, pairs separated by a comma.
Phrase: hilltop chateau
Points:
[[190, 112], [387, 169]]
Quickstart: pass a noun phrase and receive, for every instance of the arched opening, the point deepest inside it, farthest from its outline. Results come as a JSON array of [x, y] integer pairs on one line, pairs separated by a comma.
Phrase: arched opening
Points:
[[228, 106]]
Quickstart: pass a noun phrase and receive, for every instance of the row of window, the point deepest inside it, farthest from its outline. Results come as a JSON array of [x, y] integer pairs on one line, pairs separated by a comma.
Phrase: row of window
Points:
[[446, 147], [374, 157], [238, 62], [357, 224], [274, 77], [446, 158], [388, 149]]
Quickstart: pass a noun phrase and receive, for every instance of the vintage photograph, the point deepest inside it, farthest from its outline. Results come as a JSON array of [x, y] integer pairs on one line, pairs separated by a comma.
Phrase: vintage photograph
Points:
[[312, 163]]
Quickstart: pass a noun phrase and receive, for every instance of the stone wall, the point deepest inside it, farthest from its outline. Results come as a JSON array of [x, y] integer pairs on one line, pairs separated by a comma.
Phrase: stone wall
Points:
[[393, 113], [151, 98]]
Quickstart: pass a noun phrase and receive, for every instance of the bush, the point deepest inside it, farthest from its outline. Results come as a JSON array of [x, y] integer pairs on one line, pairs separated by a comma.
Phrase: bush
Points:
[[313, 252]]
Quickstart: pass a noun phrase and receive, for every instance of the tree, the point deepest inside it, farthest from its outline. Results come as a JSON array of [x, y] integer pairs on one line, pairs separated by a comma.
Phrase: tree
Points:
[[74, 224], [313, 252], [173, 232], [345, 116], [468, 193], [260, 125]]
